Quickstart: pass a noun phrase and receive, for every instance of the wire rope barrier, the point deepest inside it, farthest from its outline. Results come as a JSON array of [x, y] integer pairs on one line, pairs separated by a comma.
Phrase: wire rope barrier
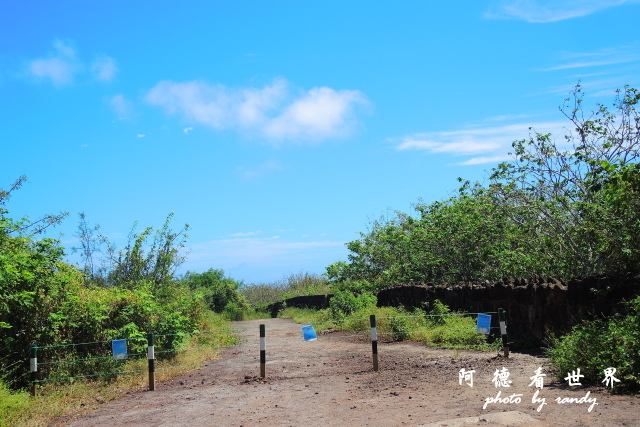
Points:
[[410, 327]]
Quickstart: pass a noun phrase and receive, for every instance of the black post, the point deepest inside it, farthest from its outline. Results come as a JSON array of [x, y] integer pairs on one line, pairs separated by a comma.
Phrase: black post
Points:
[[263, 352], [374, 341]]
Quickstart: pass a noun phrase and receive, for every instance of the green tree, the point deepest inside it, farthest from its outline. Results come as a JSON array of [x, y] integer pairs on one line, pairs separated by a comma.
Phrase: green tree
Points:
[[33, 280], [220, 292], [563, 209], [152, 256], [569, 187]]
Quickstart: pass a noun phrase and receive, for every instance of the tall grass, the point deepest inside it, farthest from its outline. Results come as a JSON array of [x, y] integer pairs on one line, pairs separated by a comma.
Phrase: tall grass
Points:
[[450, 330], [294, 285]]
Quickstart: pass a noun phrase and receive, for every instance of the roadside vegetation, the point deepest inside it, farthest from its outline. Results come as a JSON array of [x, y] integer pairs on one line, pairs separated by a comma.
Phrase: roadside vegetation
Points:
[[434, 325], [562, 207]]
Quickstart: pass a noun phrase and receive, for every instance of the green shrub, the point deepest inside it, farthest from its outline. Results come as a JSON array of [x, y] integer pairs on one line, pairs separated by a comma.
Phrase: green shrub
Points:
[[436, 312], [345, 303], [400, 328], [453, 331], [594, 346]]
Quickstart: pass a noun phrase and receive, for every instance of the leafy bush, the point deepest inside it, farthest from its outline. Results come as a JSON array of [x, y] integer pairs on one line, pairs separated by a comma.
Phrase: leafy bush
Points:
[[219, 292], [344, 303], [400, 328], [436, 313], [594, 346]]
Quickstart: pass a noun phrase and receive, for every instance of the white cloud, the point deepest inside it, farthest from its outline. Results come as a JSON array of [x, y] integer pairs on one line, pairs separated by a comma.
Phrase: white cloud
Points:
[[141, 135], [60, 67], [121, 106], [542, 11], [104, 68], [246, 234], [259, 252], [187, 130], [251, 172], [486, 144], [273, 111], [320, 113], [485, 159]]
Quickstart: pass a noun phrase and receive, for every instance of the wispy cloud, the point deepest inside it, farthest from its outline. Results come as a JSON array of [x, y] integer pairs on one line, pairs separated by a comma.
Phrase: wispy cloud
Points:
[[62, 66], [625, 54], [489, 144], [121, 106], [277, 111], [104, 68], [255, 252], [246, 234], [543, 11], [252, 172]]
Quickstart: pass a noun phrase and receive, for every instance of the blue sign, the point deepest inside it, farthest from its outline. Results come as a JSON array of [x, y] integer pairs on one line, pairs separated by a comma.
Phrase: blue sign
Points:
[[484, 324], [308, 333], [119, 348]]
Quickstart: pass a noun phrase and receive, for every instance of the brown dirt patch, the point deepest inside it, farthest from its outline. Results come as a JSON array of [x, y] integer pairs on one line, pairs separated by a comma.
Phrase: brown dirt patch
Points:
[[331, 382]]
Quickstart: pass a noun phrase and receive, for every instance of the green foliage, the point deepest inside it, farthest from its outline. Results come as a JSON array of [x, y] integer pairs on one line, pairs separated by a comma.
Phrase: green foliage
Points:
[[560, 209], [13, 406], [261, 295], [400, 328], [596, 345], [356, 286], [156, 263], [34, 283], [306, 316], [436, 313], [344, 303], [454, 330], [220, 293], [151, 255], [47, 302]]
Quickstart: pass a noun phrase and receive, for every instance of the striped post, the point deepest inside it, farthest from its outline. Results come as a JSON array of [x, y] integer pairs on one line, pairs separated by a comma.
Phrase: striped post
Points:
[[374, 341], [34, 369], [503, 331], [263, 352], [151, 356]]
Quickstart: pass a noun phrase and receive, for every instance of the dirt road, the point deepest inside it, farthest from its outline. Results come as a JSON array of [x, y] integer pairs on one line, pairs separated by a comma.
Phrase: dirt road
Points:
[[331, 382]]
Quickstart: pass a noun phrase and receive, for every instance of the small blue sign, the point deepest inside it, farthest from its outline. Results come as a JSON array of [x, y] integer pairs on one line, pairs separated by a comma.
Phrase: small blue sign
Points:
[[119, 348], [308, 333], [484, 324]]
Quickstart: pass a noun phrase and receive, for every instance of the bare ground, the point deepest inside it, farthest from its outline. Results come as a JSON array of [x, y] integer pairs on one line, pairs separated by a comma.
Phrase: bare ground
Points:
[[331, 382]]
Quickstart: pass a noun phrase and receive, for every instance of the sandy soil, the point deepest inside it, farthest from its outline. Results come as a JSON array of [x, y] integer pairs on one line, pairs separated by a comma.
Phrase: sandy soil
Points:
[[331, 382]]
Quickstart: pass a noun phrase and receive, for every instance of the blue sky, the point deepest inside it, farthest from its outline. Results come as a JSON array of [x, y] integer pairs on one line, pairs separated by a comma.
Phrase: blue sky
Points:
[[278, 130]]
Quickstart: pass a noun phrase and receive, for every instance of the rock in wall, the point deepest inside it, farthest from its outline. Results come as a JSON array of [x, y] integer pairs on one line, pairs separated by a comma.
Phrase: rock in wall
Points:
[[534, 307]]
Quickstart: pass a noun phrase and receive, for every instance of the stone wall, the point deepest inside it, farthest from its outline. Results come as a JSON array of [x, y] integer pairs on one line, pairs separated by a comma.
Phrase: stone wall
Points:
[[534, 307], [317, 302]]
